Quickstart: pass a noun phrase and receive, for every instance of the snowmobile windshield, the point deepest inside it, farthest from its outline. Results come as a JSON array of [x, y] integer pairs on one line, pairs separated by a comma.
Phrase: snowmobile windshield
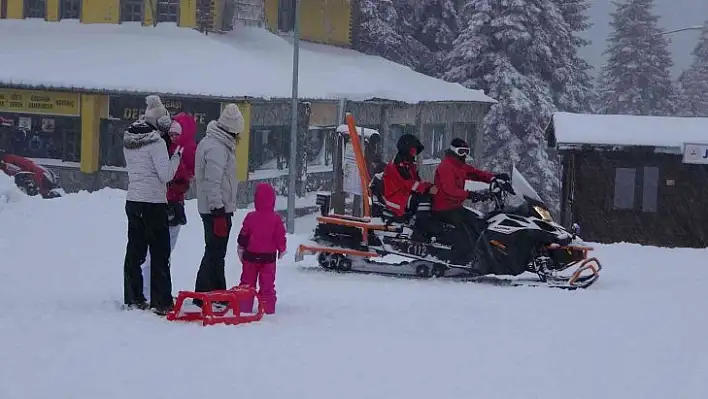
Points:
[[522, 186]]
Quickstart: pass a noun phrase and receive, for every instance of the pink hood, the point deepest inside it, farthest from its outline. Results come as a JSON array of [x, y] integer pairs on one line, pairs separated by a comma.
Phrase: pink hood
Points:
[[265, 198], [189, 130], [180, 184]]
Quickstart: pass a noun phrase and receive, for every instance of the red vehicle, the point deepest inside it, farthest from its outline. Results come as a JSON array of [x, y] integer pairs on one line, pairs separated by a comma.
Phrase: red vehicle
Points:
[[31, 178]]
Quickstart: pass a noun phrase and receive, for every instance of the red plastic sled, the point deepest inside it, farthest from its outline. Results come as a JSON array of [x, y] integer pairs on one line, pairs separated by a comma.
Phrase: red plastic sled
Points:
[[230, 315]]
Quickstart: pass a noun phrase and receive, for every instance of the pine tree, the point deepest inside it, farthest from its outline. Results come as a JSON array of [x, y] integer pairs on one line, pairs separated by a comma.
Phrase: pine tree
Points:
[[575, 14], [435, 25], [693, 97], [636, 78], [511, 50], [384, 31], [573, 84]]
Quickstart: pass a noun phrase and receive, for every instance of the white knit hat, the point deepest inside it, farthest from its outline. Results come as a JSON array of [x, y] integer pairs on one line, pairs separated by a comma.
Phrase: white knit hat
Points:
[[231, 119], [154, 110]]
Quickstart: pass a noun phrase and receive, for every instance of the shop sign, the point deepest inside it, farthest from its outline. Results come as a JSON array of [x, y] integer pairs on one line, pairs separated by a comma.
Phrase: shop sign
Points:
[[39, 102], [695, 153], [131, 108]]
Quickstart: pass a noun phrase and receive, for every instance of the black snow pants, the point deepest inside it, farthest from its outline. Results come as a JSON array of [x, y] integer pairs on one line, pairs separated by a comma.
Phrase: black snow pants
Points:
[[468, 227], [147, 230], [211, 275]]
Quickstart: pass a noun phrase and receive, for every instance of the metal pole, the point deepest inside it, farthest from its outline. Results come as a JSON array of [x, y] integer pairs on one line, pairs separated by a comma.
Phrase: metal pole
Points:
[[292, 166]]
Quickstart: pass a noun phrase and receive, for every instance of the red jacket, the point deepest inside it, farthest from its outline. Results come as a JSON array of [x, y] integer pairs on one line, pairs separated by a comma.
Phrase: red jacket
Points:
[[400, 180], [450, 180], [178, 187]]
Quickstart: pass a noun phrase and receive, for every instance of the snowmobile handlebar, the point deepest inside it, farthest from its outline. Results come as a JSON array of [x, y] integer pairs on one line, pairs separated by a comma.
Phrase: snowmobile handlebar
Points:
[[498, 190]]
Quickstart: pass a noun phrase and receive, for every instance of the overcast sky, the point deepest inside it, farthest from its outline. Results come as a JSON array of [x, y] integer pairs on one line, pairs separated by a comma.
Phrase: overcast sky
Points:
[[673, 14]]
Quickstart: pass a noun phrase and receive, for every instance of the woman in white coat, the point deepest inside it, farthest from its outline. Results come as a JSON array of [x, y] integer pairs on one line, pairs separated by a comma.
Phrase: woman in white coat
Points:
[[149, 170]]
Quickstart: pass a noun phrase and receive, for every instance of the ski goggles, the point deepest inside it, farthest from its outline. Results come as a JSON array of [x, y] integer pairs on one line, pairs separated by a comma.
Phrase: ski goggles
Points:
[[461, 151]]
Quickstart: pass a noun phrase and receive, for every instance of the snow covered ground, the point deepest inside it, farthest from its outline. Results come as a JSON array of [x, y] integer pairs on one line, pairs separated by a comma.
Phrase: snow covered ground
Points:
[[640, 332]]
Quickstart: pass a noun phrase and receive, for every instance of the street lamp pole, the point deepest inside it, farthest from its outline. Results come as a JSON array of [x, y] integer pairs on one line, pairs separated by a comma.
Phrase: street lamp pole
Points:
[[292, 164]]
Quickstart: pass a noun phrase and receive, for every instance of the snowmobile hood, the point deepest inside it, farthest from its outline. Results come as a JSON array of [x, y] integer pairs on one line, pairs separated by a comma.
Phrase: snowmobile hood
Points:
[[265, 198]]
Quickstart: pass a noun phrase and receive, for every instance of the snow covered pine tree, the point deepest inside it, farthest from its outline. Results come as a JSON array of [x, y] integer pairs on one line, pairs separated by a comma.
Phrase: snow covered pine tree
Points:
[[435, 25], [383, 31], [514, 50], [693, 82], [636, 78], [573, 88]]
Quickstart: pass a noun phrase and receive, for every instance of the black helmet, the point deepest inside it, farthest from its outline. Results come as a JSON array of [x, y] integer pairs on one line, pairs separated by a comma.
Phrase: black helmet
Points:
[[459, 148], [408, 141]]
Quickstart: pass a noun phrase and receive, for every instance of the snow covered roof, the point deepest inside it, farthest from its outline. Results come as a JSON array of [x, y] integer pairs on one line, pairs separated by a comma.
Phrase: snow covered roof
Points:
[[248, 62], [367, 133], [628, 130]]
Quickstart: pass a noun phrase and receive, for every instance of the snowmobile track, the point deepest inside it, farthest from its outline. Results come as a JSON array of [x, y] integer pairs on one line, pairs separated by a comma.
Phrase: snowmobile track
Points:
[[486, 279]]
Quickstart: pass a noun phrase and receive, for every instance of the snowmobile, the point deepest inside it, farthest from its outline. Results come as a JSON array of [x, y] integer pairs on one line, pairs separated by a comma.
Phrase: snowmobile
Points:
[[517, 239]]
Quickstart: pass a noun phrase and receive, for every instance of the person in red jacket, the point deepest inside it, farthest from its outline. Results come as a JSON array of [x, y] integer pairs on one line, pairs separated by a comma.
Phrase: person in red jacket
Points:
[[450, 178], [404, 191]]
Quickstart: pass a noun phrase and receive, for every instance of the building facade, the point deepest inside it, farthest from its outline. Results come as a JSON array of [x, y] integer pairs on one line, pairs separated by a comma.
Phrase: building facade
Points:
[[322, 21], [78, 132]]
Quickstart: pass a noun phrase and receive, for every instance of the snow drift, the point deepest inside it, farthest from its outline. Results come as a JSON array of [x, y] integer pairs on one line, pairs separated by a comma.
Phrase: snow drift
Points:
[[9, 191]]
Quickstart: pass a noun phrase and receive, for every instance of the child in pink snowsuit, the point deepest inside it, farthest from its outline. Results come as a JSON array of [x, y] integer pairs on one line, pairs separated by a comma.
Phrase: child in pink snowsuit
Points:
[[260, 242]]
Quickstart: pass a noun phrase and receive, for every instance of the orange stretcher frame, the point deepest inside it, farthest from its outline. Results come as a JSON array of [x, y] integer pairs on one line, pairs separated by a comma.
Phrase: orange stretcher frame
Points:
[[360, 162]]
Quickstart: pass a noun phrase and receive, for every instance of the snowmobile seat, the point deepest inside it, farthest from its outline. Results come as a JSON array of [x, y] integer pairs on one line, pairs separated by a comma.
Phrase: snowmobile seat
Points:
[[378, 203], [389, 218]]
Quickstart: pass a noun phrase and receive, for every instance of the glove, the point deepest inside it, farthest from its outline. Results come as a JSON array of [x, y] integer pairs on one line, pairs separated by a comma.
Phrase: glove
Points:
[[504, 182], [476, 196], [178, 151], [502, 176], [220, 229], [240, 253], [281, 254]]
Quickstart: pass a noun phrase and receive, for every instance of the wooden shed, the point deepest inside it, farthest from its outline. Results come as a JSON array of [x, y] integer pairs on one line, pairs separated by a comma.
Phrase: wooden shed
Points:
[[637, 179]]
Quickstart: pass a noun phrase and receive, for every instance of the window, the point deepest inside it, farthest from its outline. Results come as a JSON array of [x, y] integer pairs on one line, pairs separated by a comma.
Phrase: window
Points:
[[434, 141], [41, 136], [131, 10], [112, 142], [167, 10], [70, 9], [269, 148], [625, 180], [286, 15], [320, 146], [35, 9], [650, 189]]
